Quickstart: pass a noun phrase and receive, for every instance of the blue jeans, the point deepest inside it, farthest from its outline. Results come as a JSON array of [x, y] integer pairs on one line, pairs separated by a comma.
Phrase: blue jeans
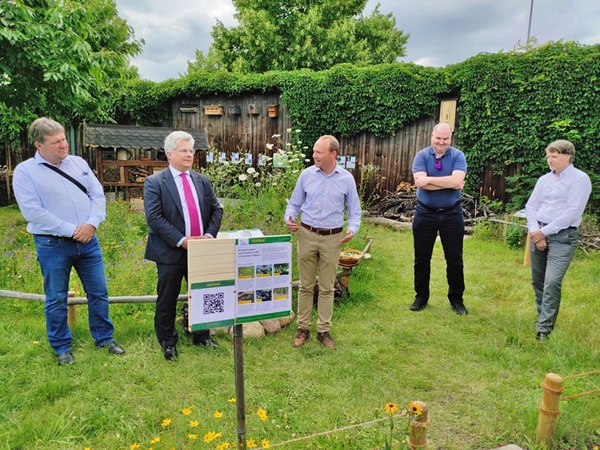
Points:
[[548, 268], [57, 255], [451, 227]]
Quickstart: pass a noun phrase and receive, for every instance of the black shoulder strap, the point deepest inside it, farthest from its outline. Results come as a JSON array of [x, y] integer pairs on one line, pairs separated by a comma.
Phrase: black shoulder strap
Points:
[[68, 177]]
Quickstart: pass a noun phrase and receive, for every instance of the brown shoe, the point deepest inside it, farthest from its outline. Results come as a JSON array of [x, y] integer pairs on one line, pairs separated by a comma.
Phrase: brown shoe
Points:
[[301, 337], [326, 340]]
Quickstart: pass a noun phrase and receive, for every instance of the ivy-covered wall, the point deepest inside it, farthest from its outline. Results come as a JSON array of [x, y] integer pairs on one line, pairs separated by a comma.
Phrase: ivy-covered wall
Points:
[[511, 105]]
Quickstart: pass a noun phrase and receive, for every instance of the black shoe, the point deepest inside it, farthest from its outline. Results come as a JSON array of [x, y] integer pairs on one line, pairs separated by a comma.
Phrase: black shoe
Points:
[[460, 309], [114, 348], [540, 336], [170, 352], [66, 358], [418, 305], [208, 342]]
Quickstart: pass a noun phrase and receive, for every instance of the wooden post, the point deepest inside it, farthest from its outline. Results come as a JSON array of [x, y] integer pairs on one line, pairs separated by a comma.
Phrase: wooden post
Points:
[[417, 429], [552, 388], [240, 397], [71, 311], [527, 255]]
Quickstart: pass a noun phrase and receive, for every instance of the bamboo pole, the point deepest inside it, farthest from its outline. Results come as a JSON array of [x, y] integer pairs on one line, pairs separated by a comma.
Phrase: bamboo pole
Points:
[[552, 388], [417, 429]]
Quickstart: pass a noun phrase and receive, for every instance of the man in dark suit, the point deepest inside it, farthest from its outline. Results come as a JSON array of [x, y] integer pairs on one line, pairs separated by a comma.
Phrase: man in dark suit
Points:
[[180, 205]]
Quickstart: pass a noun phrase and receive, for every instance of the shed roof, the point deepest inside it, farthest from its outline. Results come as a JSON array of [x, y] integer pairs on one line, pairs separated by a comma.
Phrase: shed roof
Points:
[[130, 136]]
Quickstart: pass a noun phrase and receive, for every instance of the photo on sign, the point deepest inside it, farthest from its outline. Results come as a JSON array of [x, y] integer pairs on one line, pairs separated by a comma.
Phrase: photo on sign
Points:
[[264, 270], [245, 297], [264, 295], [280, 293], [246, 272], [281, 269]]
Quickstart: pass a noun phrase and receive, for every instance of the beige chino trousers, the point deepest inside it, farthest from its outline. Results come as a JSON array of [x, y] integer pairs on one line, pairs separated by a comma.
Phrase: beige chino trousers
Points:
[[322, 251]]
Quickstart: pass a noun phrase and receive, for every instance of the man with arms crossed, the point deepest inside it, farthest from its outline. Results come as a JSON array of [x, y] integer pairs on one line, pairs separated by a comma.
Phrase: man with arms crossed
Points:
[[439, 171]]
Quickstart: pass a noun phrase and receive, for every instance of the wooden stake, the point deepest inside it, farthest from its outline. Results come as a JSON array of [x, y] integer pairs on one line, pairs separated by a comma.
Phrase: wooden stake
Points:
[[417, 429], [552, 388], [71, 311]]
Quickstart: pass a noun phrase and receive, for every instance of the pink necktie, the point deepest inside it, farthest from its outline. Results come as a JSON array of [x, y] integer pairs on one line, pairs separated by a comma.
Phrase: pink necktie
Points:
[[191, 205]]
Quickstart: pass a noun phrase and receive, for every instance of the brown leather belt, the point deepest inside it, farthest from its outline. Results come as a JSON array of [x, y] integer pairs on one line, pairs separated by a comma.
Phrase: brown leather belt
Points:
[[322, 231]]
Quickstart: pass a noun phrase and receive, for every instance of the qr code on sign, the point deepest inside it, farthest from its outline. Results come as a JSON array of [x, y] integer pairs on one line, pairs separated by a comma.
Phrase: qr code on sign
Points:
[[214, 303]]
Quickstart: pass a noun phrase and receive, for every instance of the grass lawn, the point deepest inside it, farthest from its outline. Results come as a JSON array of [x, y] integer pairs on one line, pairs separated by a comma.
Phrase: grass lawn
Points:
[[480, 375]]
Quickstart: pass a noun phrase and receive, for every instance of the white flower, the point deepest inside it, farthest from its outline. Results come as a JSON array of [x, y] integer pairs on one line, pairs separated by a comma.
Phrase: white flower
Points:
[[274, 184], [243, 177], [298, 131], [289, 130], [281, 151], [250, 170], [257, 184], [307, 160], [299, 142], [295, 171], [255, 175], [270, 146], [276, 136], [305, 147], [288, 144], [302, 155]]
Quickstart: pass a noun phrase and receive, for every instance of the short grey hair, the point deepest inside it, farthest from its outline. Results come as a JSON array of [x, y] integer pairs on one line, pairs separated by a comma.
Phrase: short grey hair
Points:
[[42, 127], [175, 137]]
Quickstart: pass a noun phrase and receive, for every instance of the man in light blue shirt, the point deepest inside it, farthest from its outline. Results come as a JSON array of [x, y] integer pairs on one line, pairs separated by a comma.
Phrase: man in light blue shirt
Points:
[[64, 204], [322, 194], [554, 212]]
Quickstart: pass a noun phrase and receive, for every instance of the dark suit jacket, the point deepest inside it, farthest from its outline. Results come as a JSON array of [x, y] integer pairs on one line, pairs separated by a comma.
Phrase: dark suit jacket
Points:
[[164, 214]]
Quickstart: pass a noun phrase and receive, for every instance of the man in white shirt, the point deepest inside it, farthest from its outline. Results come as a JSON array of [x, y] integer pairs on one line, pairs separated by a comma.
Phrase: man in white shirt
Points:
[[554, 212]]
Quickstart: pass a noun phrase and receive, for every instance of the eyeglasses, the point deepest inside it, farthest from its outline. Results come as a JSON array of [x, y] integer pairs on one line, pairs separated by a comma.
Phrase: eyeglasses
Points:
[[438, 163], [184, 150]]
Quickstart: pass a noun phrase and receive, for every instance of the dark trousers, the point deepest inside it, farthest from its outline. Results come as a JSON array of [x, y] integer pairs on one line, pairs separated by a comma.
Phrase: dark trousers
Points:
[[451, 227], [170, 277]]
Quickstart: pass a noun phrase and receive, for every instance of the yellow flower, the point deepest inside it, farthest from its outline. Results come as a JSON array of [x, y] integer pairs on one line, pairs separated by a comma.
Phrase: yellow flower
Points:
[[156, 440], [88, 448], [415, 408], [250, 443], [424, 426], [265, 443], [194, 423], [225, 445], [218, 414], [391, 408], [134, 446], [262, 414], [166, 422], [210, 436], [193, 436], [231, 400], [187, 411]]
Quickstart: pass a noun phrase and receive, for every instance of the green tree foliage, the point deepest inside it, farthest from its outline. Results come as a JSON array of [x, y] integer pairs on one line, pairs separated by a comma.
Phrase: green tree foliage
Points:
[[296, 34], [61, 58]]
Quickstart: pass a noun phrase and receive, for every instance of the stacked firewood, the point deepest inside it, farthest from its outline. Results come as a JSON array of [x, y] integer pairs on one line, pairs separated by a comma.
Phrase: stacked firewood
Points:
[[138, 174], [400, 205]]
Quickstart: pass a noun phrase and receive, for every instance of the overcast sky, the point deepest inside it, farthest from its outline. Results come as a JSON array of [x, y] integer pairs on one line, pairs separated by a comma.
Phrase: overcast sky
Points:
[[441, 32]]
